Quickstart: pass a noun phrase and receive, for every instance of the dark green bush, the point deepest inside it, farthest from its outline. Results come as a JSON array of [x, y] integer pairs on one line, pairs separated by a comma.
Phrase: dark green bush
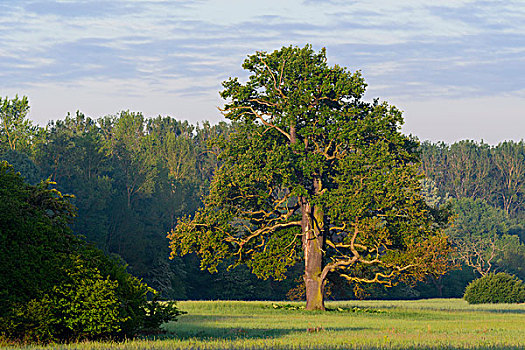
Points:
[[55, 287], [495, 288], [30, 322]]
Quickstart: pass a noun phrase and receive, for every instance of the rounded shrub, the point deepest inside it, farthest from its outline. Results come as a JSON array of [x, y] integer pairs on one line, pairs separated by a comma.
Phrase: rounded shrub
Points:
[[495, 288]]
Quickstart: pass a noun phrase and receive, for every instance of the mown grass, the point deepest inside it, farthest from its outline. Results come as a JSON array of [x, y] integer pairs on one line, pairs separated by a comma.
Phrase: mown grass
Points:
[[370, 325]]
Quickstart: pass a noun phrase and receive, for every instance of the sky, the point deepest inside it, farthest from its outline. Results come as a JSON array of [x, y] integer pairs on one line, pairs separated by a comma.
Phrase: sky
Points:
[[456, 68]]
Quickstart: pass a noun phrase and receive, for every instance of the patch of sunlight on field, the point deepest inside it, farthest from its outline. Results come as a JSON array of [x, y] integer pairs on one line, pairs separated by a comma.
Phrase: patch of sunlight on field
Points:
[[370, 325]]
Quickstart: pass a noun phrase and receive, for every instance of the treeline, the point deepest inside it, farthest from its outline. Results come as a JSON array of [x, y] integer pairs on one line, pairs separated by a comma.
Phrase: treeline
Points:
[[466, 169], [133, 177], [484, 186]]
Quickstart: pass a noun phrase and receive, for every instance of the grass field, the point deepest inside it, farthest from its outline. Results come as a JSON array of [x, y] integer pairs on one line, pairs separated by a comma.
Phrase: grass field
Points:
[[422, 324]]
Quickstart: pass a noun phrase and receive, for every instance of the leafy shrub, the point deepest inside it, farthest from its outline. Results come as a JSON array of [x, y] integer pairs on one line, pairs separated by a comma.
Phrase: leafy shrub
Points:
[[30, 322], [157, 313], [56, 287], [495, 288], [85, 305], [130, 291]]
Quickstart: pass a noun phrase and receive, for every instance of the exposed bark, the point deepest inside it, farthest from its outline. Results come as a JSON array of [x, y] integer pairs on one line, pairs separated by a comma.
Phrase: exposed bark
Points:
[[293, 134], [312, 225], [312, 222]]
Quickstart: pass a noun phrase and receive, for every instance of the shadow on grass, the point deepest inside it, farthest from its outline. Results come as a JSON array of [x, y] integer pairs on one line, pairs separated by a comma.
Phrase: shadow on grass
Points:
[[492, 311], [500, 311], [200, 332]]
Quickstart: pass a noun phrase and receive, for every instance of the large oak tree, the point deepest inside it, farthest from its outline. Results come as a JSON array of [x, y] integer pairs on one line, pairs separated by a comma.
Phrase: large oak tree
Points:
[[314, 173]]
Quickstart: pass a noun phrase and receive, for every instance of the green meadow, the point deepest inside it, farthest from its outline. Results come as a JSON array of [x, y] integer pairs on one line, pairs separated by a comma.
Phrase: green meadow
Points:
[[421, 324]]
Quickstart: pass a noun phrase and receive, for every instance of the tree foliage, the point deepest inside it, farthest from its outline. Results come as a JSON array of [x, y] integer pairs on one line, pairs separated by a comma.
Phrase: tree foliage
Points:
[[495, 174], [54, 286], [313, 172], [17, 132], [476, 233], [132, 178], [91, 159], [486, 185]]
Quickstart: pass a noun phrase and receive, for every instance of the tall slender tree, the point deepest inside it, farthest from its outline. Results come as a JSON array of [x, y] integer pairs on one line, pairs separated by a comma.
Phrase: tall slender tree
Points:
[[17, 132], [509, 162], [132, 149]]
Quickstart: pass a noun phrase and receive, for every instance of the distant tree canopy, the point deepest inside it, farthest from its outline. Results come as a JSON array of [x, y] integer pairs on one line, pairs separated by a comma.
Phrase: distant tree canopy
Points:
[[495, 174], [485, 186], [17, 132], [314, 173], [125, 211], [132, 178], [478, 233]]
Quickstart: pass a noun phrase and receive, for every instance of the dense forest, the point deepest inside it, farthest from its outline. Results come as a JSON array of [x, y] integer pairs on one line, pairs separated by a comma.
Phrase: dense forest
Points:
[[133, 177]]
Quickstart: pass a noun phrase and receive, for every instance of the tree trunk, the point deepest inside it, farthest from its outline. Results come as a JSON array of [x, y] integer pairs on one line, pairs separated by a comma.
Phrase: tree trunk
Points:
[[312, 224], [312, 227]]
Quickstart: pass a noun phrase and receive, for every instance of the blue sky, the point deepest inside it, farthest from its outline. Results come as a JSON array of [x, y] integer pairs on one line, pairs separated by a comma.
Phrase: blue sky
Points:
[[455, 67]]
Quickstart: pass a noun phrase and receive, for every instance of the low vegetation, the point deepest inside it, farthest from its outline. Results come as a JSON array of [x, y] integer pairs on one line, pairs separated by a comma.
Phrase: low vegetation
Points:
[[421, 324], [56, 287], [495, 288]]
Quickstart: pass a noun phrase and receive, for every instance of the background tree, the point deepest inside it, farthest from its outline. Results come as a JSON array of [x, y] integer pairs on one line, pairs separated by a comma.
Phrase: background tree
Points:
[[482, 238], [72, 157], [511, 258], [509, 162], [74, 152], [17, 132], [469, 169], [495, 174], [476, 233], [132, 149], [313, 172]]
